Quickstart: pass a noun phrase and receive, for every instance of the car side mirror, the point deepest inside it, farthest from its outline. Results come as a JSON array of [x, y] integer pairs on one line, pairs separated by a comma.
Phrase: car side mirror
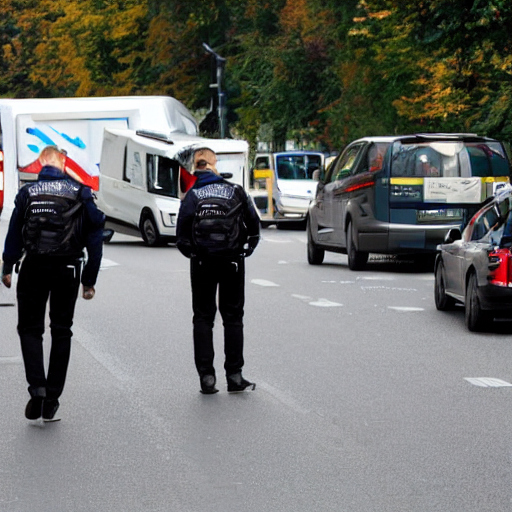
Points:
[[316, 175], [453, 235], [107, 235]]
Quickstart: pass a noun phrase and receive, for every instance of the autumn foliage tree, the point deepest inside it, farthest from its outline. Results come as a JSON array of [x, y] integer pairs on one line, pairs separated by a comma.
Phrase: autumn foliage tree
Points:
[[322, 72]]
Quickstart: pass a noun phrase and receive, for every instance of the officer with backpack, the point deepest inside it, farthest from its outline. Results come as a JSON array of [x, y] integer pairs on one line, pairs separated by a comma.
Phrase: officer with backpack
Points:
[[53, 220], [218, 227]]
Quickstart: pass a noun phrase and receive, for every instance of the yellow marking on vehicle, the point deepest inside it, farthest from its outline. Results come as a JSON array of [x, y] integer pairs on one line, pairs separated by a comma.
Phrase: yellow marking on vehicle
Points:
[[494, 179], [262, 174], [406, 181]]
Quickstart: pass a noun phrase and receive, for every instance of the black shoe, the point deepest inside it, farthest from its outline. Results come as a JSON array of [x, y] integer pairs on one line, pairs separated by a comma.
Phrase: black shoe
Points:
[[237, 383], [208, 385], [34, 407], [50, 407]]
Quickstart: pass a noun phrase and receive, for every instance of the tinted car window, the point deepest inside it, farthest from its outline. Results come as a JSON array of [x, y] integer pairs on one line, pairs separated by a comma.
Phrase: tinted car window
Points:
[[345, 165], [449, 159], [262, 162], [375, 157], [291, 167], [484, 223]]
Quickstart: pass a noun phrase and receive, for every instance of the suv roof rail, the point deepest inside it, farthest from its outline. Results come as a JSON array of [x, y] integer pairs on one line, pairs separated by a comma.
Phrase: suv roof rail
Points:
[[467, 137], [155, 135]]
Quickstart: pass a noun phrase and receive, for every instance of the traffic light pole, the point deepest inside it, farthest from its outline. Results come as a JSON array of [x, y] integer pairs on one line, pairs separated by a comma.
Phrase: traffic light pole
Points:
[[220, 61]]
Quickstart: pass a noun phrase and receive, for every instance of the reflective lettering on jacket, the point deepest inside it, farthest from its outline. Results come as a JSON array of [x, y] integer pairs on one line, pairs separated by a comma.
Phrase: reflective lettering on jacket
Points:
[[224, 190], [58, 188]]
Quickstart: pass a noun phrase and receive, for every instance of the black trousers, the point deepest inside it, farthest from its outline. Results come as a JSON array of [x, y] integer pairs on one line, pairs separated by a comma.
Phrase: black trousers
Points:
[[40, 280], [226, 277]]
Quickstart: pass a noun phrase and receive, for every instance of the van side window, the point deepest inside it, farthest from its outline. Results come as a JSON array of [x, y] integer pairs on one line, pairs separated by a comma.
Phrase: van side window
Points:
[[133, 169], [162, 175]]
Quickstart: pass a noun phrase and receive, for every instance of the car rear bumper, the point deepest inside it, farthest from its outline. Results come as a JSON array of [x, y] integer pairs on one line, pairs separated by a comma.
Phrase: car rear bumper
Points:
[[496, 298], [382, 237]]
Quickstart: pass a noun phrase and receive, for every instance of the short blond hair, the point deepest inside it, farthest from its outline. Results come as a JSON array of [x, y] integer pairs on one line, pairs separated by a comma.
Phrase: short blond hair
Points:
[[51, 155]]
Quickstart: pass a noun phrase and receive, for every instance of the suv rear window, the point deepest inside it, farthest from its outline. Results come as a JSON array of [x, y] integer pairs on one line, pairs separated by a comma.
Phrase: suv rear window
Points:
[[449, 159]]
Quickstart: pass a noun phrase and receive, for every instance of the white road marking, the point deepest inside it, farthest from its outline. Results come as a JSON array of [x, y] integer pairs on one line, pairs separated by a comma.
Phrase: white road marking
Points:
[[325, 303], [321, 303], [301, 297], [263, 282], [405, 308], [282, 262], [375, 278], [277, 240], [106, 263], [391, 288], [488, 382], [282, 397]]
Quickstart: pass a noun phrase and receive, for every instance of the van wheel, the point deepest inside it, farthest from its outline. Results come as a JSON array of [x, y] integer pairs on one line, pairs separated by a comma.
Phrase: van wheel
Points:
[[315, 254], [356, 259], [149, 231], [476, 318]]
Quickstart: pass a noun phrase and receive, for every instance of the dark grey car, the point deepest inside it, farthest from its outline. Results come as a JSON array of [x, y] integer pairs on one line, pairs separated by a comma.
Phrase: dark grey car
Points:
[[402, 194]]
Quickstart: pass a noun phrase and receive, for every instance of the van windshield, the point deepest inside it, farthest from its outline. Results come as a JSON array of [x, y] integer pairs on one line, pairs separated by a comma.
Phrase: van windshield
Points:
[[297, 167], [163, 175], [449, 159]]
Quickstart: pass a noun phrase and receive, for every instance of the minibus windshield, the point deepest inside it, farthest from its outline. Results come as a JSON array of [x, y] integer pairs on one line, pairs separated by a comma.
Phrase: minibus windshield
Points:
[[297, 167], [449, 159]]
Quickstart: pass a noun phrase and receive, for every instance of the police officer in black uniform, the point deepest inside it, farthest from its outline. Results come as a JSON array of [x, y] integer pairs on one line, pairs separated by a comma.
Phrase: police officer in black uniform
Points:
[[51, 273], [212, 273]]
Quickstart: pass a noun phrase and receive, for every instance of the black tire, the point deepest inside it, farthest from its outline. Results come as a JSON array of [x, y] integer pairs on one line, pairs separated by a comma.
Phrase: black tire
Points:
[[443, 302], [149, 231], [475, 317], [315, 254], [356, 259]]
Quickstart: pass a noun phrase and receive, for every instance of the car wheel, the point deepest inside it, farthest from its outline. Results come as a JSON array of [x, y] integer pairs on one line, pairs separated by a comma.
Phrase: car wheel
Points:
[[149, 231], [356, 259], [443, 302], [315, 254], [476, 318]]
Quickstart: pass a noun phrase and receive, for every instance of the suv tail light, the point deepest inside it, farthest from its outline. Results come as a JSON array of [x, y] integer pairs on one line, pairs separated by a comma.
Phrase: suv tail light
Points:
[[500, 267]]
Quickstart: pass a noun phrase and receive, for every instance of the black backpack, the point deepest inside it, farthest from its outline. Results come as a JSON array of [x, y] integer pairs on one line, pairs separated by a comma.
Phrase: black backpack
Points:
[[218, 228], [53, 218]]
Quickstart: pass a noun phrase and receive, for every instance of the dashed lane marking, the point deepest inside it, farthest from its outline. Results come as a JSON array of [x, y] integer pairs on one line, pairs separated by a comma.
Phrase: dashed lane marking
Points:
[[488, 382], [325, 303], [263, 282], [405, 309], [321, 303]]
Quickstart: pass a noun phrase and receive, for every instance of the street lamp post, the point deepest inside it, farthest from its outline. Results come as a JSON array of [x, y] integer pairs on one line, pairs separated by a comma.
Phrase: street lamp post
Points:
[[220, 61]]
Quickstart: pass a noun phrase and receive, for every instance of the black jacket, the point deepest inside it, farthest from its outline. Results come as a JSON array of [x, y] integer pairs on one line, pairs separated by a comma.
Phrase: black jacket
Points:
[[92, 228], [188, 210]]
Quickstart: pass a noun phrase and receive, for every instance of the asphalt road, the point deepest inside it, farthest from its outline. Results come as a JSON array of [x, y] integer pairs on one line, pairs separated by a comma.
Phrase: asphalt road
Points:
[[367, 398]]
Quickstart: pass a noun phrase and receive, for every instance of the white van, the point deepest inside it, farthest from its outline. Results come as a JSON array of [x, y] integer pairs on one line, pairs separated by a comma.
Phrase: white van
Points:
[[293, 184], [75, 125], [139, 188]]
